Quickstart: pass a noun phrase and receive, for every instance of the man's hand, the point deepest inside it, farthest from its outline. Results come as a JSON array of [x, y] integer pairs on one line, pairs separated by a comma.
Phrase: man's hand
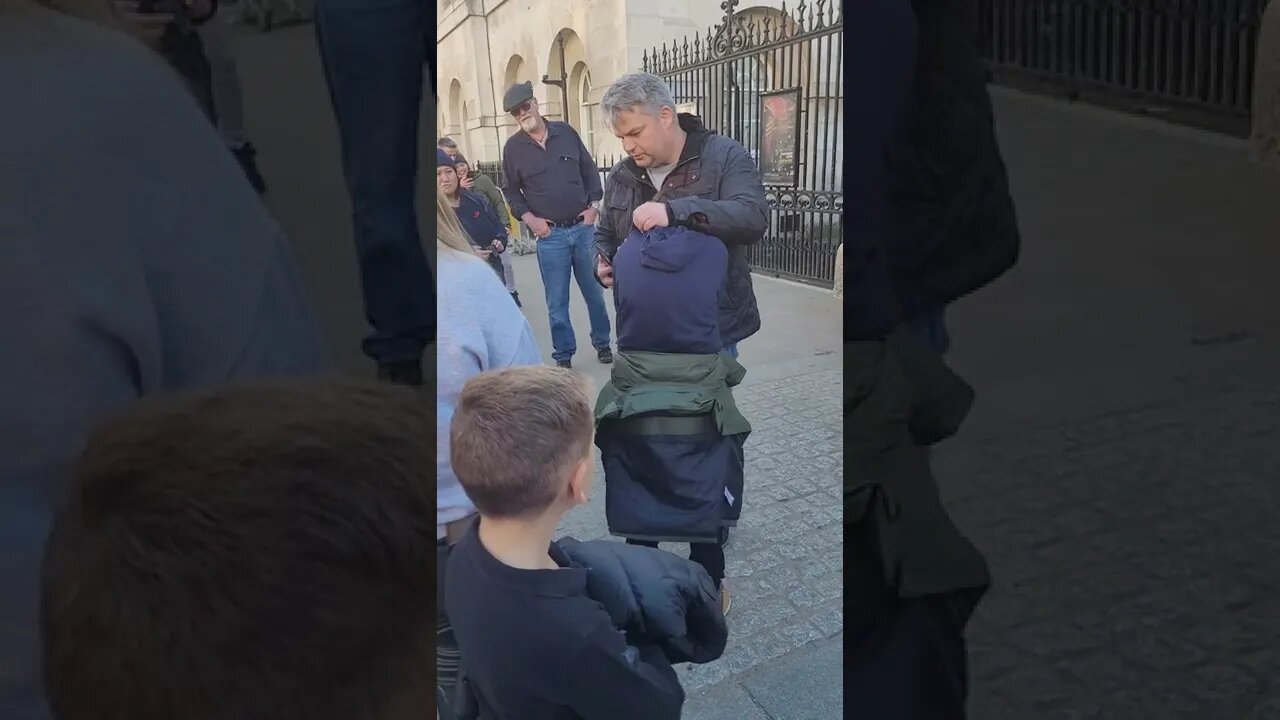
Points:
[[498, 246], [649, 216], [537, 225], [589, 216], [604, 271]]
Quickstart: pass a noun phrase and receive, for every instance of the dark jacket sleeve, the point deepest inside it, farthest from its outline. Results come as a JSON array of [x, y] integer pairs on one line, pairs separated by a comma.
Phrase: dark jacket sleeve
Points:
[[606, 239], [881, 61], [953, 223], [741, 215], [610, 679]]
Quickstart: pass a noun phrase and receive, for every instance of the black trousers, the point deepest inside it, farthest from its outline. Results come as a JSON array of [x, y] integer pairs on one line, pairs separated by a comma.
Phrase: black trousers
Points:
[[709, 555], [905, 658]]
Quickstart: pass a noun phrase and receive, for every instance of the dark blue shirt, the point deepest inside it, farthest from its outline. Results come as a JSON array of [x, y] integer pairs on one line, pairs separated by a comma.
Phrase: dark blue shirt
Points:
[[556, 183], [482, 225], [478, 219]]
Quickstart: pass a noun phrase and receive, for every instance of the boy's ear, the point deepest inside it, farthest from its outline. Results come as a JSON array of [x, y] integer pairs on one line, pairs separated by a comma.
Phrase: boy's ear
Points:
[[579, 488]]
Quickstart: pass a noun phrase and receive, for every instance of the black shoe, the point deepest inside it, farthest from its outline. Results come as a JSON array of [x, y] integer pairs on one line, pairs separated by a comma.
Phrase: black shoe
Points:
[[404, 373], [566, 364], [245, 155], [516, 296], [605, 354]]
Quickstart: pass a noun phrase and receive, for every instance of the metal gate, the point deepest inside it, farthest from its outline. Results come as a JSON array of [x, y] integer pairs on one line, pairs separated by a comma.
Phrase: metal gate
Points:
[[1191, 61], [773, 80]]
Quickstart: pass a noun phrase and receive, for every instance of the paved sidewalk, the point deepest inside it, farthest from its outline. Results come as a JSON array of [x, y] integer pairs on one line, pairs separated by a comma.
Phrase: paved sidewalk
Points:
[[1120, 468], [785, 559]]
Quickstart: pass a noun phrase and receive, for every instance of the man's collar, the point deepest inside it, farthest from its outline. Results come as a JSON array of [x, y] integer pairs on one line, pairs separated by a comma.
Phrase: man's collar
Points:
[[693, 140]]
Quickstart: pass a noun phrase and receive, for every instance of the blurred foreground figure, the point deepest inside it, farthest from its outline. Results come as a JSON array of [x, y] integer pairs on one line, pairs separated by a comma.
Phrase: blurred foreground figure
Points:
[[913, 579], [374, 57], [134, 260], [261, 551], [952, 227]]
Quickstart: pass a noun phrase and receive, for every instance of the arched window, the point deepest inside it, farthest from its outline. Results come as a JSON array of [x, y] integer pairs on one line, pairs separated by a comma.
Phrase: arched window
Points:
[[586, 111]]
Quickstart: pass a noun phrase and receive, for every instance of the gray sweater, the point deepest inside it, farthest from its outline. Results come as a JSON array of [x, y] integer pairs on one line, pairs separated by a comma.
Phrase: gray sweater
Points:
[[479, 329], [134, 259]]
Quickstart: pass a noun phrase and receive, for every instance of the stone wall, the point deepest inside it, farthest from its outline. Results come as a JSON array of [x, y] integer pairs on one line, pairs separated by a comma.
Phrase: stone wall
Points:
[[1266, 90]]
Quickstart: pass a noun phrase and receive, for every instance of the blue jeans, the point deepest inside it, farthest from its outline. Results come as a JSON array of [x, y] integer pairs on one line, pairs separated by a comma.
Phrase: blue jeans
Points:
[[373, 53], [566, 251]]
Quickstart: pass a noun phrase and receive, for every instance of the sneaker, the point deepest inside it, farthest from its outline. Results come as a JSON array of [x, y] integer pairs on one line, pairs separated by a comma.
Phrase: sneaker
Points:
[[605, 354], [403, 373], [566, 364], [516, 296], [245, 155], [726, 600]]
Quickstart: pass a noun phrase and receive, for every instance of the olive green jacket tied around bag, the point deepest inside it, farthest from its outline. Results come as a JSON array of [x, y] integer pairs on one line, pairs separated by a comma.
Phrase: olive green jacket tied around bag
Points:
[[674, 384], [671, 442], [900, 398]]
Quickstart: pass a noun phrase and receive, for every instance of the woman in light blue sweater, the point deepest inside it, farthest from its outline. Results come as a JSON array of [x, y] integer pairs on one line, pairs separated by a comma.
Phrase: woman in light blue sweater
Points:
[[479, 329]]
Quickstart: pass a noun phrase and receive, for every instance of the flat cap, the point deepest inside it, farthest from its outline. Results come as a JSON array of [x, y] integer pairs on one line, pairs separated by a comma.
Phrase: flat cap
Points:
[[517, 94]]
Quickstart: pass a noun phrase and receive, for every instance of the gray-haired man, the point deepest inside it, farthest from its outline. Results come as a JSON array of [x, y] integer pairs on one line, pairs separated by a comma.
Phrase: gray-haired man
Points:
[[679, 173]]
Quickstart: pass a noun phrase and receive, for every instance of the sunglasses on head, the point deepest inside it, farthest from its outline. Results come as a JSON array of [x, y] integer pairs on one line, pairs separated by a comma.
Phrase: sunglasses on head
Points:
[[522, 107]]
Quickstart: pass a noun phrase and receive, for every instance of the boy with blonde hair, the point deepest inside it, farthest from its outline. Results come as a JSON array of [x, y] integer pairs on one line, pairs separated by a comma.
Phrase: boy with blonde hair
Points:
[[537, 630]]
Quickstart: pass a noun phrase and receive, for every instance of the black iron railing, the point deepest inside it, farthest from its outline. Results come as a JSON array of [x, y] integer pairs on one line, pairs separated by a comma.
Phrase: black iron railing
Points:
[[771, 79], [1191, 61]]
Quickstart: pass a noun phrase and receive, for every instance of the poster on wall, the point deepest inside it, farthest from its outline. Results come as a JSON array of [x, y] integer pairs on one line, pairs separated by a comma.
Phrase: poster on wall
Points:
[[779, 138]]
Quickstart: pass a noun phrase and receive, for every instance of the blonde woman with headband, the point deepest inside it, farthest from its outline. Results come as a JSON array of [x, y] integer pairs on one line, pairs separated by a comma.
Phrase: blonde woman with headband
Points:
[[479, 329]]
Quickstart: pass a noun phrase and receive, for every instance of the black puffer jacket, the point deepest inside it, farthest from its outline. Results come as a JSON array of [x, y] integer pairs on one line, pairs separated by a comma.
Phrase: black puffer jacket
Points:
[[952, 225], [715, 188], [654, 597]]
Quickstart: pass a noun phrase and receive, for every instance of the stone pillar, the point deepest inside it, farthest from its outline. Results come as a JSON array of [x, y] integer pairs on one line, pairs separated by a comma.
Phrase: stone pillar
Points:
[[1266, 90]]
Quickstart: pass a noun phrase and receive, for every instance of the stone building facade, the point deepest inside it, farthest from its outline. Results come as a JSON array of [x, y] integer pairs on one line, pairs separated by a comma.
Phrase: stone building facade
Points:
[[484, 46]]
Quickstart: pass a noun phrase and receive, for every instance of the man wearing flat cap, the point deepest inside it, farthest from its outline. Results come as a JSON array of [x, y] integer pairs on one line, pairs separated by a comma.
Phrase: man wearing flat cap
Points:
[[554, 188]]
